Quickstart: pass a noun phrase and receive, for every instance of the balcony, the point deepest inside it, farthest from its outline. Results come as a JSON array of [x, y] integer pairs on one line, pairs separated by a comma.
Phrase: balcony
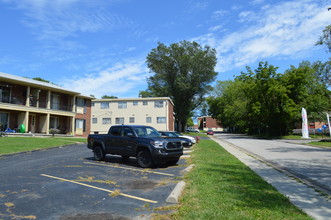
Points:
[[33, 102]]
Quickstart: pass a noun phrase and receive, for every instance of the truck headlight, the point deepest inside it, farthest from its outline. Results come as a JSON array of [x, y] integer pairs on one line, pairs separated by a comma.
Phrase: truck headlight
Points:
[[157, 144]]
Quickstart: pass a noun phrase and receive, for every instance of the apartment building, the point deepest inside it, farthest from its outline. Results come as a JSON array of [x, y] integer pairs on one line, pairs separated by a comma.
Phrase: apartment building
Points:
[[31, 106], [156, 112], [207, 122]]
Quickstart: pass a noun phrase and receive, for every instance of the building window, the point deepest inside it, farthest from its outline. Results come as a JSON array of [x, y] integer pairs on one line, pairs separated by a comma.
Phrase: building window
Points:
[[5, 93], [80, 125], [148, 119], [135, 103], [80, 102], [94, 120], [104, 105], [106, 121], [145, 102], [55, 101], [158, 104], [92, 104], [161, 120], [131, 119], [54, 122], [122, 105], [119, 121], [3, 121]]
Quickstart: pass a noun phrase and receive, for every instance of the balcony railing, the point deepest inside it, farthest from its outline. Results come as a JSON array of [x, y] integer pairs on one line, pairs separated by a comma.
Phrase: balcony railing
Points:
[[35, 103]]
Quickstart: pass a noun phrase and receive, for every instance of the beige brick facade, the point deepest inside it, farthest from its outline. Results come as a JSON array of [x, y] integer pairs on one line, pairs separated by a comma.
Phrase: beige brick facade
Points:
[[155, 112]]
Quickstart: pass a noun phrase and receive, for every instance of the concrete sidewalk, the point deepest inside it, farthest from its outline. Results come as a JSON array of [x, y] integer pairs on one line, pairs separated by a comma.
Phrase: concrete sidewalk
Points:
[[306, 198]]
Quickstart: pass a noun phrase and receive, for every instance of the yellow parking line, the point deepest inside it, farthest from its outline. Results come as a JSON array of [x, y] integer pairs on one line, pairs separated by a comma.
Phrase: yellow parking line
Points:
[[94, 187], [127, 168]]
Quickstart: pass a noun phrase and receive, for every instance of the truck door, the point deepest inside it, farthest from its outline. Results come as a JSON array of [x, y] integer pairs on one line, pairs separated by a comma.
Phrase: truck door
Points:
[[129, 141], [114, 140]]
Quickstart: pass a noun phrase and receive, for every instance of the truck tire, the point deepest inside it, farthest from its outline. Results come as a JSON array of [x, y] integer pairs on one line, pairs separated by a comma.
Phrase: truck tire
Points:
[[99, 154], [144, 159]]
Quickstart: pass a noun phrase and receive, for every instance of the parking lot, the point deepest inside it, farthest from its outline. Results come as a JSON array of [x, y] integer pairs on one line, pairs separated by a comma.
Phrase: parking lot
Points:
[[67, 183]]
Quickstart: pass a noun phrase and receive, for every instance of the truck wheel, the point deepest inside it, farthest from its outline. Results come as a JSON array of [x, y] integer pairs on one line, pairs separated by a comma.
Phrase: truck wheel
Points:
[[99, 154], [144, 159]]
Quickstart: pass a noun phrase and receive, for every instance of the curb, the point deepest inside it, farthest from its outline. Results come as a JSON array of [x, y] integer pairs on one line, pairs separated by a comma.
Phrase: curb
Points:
[[188, 169], [174, 195]]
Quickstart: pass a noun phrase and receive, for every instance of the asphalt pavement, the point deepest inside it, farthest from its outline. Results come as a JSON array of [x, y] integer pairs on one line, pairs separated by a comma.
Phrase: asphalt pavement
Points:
[[300, 172], [68, 184]]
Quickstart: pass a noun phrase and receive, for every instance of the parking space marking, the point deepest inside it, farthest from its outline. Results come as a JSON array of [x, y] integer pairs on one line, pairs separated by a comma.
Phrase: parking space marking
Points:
[[127, 168], [98, 188]]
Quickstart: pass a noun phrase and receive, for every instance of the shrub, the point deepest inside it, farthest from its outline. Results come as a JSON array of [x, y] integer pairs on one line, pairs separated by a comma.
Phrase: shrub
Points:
[[54, 131]]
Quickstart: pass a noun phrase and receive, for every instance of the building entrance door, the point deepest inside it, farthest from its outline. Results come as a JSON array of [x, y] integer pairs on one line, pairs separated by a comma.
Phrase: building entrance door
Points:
[[32, 123]]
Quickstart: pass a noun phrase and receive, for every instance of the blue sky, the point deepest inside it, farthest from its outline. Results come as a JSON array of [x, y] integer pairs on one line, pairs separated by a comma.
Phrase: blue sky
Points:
[[100, 46]]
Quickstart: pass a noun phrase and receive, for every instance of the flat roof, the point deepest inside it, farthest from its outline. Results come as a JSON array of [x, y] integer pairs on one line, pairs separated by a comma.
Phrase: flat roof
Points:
[[39, 84], [133, 99]]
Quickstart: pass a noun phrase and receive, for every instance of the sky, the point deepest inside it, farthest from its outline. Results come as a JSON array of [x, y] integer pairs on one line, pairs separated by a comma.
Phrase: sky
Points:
[[99, 47]]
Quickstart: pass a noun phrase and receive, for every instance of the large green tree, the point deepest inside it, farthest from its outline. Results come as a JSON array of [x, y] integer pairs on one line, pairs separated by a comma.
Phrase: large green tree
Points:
[[182, 71], [228, 105], [264, 101]]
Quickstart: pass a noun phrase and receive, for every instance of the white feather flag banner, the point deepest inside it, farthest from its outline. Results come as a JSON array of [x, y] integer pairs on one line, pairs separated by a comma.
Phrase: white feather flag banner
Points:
[[305, 132]]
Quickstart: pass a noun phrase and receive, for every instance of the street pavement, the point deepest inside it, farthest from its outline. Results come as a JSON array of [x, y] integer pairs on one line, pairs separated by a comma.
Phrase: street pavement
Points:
[[66, 183], [282, 164]]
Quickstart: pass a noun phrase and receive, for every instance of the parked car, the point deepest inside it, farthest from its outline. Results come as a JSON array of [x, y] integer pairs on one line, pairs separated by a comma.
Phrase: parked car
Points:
[[186, 142], [192, 130], [185, 136], [210, 132], [142, 142]]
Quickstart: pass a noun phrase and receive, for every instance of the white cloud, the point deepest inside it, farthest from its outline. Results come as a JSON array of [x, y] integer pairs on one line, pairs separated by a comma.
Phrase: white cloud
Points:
[[119, 79], [59, 19], [256, 2], [286, 29], [219, 14], [215, 28]]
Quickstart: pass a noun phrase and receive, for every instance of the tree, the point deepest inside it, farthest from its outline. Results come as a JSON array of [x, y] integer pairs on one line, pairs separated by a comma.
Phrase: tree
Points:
[[323, 69], [266, 102], [229, 106], [145, 94], [42, 80], [307, 90], [325, 39], [183, 72], [109, 97], [190, 122]]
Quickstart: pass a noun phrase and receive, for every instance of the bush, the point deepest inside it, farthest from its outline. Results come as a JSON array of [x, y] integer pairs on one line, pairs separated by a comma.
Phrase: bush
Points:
[[54, 131]]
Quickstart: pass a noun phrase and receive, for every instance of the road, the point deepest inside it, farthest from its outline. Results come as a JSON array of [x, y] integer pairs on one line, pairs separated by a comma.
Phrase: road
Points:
[[67, 183]]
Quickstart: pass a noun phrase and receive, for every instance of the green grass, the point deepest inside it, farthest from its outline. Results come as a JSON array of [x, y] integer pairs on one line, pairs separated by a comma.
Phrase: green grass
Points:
[[320, 144], [10, 145], [221, 187]]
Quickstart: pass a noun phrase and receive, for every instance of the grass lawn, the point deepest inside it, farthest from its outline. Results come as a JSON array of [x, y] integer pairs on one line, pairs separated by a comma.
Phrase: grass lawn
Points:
[[320, 143], [10, 145], [221, 187]]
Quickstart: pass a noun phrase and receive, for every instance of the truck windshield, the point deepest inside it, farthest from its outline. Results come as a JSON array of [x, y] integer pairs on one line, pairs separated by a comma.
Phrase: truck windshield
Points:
[[146, 132]]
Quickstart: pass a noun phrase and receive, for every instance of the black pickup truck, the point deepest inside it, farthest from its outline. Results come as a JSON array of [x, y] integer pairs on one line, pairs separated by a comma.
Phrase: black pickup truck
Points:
[[142, 142]]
